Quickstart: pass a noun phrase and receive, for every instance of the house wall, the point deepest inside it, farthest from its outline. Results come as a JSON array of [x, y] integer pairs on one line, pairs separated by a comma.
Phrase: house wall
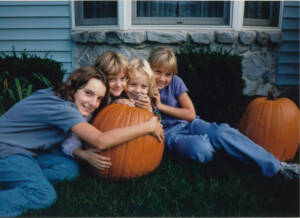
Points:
[[259, 49], [43, 27], [288, 63], [39, 27]]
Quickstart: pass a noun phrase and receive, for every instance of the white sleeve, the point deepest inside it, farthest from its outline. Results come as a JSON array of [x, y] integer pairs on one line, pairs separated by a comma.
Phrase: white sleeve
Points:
[[72, 142]]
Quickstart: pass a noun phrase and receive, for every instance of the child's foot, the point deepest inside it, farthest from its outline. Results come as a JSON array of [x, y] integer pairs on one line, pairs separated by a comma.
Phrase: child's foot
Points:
[[290, 170]]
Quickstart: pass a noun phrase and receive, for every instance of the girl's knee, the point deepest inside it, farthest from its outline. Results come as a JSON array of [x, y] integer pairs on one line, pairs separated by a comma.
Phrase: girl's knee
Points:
[[204, 155], [197, 147], [39, 195]]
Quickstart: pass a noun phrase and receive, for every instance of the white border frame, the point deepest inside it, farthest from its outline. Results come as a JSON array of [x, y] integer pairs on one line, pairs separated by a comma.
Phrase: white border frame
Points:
[[124, 20]]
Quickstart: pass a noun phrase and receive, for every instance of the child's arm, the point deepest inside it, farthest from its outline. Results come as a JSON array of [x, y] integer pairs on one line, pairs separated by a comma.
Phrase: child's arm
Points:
[[72, 146], [114, 137], [186, 112]]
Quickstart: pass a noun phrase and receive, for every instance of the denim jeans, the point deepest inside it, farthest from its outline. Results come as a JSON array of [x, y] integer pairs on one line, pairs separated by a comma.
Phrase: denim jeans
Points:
[[200, 140], [25, 181]]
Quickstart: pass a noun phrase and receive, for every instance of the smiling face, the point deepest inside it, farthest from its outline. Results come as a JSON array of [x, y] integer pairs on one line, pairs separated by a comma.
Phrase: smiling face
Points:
[[163, 76], [137, 86], [88, 98], [117, 83]]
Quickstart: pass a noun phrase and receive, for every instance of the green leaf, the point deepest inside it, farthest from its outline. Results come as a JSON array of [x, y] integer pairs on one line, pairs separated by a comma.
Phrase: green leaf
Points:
[[19, 88]]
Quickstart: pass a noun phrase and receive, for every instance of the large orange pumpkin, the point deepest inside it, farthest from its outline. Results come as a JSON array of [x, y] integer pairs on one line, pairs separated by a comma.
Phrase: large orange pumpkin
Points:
[[273, 124], [136, 157]]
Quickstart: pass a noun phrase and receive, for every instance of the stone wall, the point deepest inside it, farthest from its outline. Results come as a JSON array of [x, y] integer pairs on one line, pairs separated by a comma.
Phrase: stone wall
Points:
[[259, 49]]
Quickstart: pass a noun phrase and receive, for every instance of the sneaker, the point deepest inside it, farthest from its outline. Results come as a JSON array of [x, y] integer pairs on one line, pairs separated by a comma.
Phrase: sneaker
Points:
[[290, 170]]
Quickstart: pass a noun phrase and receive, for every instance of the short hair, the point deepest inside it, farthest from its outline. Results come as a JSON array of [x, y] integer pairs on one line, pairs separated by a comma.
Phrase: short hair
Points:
[[163, 57], [141, 66], [77, 80], [112, 62]]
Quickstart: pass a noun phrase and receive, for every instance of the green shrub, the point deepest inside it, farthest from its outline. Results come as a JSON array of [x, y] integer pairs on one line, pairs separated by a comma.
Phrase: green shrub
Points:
[[214, 79], [24, 74]]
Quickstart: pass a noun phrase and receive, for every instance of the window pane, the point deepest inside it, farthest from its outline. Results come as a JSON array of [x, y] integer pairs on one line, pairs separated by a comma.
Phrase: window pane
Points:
[[181, 12], [96, 13], [180, 9], [261, 13], [99, 9]]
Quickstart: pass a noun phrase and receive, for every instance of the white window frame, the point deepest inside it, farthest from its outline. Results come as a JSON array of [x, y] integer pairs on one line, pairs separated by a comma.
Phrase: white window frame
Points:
[[236, 19]]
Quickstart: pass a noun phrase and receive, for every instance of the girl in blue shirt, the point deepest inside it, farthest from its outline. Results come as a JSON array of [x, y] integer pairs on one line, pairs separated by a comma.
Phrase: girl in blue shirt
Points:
[[32, 130], [188, 136]]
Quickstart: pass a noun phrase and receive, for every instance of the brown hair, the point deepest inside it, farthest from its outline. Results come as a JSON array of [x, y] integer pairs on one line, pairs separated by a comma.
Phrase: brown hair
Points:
[[78, 79], [112, 62], [163, 57]]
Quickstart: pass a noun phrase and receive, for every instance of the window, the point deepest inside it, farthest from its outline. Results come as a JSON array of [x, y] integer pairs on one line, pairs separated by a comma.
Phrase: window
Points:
[[261, 13], [180, 12], [96, 12]]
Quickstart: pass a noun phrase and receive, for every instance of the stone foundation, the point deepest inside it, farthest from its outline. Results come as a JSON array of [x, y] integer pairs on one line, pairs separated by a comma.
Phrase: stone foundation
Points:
[[259, 49]]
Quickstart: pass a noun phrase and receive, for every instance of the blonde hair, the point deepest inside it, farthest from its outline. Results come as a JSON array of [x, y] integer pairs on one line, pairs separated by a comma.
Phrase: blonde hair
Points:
[[112, 62], [141, 66], [163, 57]]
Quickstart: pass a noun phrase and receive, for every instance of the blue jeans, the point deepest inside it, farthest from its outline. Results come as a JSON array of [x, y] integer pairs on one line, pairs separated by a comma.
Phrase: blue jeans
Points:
[[200, 140], [25, 181]]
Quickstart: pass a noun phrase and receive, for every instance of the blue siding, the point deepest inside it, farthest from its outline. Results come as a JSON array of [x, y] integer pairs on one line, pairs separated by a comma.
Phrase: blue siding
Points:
[[39, 27], [288, 63]]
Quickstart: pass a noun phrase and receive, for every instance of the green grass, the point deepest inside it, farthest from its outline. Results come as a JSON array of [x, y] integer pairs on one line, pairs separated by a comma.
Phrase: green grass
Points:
[[178, 188]]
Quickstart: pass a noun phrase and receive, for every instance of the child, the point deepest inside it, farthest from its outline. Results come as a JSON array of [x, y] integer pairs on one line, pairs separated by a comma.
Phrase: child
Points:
[[140, 84], [116, 69], [31, 130], [189, 136]]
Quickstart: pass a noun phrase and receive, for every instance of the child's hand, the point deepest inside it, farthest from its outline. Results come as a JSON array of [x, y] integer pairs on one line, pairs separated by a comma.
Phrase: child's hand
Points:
[[144, 102], [157, 99], [128, 102], [158, 130], [96, 160]]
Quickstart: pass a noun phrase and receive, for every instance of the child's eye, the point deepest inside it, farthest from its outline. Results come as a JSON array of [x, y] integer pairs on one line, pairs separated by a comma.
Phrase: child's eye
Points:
[[123, 78], [88, 92]]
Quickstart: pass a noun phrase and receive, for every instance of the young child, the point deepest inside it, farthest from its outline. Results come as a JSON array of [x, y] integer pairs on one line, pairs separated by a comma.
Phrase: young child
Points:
[[189, 136], [140, 85], [115, 67]]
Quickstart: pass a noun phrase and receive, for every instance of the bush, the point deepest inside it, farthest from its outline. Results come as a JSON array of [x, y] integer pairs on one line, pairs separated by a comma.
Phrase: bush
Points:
[[24, 74], [214, 79]]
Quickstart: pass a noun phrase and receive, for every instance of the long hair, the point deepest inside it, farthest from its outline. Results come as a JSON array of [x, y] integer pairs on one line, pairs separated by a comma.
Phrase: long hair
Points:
[[77, 80]]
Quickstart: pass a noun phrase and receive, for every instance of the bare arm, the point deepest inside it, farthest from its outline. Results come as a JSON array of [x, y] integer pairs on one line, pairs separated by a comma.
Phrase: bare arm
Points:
[[186, 112], [104, 140]]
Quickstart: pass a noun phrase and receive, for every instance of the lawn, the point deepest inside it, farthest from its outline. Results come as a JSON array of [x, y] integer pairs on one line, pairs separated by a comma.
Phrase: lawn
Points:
[[178, 188]]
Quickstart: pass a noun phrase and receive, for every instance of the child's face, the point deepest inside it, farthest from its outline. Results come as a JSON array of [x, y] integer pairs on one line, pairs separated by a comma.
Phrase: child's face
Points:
[[137, 86], [88, 98], [162, 76], [117, 83]]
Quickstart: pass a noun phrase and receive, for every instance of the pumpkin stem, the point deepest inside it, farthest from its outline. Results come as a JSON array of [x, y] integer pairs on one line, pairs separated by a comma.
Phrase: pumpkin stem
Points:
[[271, 93]]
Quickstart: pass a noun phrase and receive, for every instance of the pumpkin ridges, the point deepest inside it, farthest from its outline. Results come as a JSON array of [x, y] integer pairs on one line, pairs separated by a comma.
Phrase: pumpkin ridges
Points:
[[138, 151], [292, 127], [276, 129]]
